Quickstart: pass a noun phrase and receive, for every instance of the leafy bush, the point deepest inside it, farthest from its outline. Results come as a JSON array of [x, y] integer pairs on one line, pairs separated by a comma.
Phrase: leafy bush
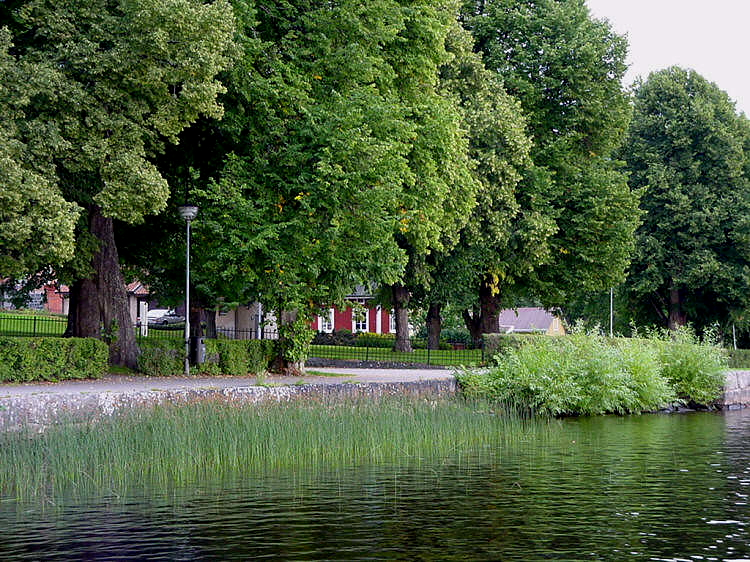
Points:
[[339, 337], [457, 335], [237, 357], [500, 344], [51, 359], [589, 374], [694, 368], [369, 339], [161, 357], [223, 357]]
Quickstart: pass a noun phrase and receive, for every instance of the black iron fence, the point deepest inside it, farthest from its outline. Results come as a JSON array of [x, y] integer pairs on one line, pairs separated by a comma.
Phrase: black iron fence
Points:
[[366, 348]]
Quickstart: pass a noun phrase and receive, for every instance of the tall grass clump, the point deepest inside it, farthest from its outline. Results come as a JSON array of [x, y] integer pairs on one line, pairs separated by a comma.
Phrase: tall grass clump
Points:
[[586, 373], [181, 445]]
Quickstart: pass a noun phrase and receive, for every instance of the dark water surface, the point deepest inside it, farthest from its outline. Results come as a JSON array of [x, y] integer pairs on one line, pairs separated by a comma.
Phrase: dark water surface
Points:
[[653, 487]]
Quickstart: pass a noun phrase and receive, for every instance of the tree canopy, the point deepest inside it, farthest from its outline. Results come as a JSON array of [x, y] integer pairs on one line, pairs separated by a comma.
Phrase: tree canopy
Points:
[[687, 150], [110, 82], [576, 218]]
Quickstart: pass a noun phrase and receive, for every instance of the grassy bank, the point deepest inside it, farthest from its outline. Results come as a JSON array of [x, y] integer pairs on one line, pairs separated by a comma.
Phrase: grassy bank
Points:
[[591, 374], [172, 446]]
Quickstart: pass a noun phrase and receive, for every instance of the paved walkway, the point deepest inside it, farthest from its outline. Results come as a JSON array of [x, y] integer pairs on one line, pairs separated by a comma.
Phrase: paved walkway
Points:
[[135, 384]]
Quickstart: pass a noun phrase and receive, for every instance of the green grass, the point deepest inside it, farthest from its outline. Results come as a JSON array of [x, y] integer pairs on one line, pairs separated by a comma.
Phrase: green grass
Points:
[[441, 357], [31, 325], [173, 446]]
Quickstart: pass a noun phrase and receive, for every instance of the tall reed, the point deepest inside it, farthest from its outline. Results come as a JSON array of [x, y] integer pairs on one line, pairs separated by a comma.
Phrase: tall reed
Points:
[[174, 446]]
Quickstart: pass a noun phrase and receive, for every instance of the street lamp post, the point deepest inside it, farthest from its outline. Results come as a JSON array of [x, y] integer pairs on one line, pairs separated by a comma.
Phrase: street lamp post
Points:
[[187, 212]]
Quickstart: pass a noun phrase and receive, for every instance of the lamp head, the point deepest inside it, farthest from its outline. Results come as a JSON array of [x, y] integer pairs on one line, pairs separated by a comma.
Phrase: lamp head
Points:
[[188, 212]]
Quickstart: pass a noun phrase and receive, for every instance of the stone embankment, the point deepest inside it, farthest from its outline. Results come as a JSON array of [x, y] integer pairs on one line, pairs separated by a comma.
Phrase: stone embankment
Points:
[[736, 391], [40, 405]]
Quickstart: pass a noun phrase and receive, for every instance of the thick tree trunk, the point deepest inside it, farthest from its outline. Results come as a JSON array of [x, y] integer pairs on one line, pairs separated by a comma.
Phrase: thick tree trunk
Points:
[[434, 326], [401, 299], [489, 303], [99, 304], [210, 323], [677, 317], [473, 321]]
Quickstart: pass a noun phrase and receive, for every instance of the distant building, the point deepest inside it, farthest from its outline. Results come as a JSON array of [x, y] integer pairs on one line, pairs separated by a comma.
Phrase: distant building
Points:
[[530, 320]]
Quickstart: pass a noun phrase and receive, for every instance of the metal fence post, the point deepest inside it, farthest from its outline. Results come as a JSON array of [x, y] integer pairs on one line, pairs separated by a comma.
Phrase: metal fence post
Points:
[[34, 326], [428, 352]]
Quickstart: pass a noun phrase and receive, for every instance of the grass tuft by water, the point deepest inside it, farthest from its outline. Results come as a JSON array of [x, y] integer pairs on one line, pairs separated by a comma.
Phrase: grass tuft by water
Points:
[[175, 446]]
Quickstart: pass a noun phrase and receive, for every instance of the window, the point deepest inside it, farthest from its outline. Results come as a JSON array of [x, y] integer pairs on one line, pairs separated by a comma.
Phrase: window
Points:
[[325, 322], [360, 316], [391, 322]]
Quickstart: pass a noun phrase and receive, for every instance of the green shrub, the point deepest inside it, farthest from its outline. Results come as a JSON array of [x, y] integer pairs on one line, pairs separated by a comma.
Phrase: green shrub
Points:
[[590, 374], [338, 337], [223, 357], [161, 357], [385, 341], [500, 344], [238, 357], [421, 343], [457, 335], [694, 368], [51, 359]]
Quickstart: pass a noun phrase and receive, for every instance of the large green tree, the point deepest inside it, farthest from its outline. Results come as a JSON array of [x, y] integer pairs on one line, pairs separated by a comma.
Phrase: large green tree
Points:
[[688, 150], [565, 68], [112, 81], [499, 149], [339, 153]]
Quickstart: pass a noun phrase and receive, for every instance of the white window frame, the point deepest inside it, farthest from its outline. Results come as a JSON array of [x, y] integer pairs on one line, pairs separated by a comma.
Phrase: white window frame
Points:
[[391, 322], [325, 324], [362, 321]]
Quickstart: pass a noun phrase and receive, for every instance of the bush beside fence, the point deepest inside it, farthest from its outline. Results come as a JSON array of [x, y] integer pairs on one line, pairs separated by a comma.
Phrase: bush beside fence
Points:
[[51, 359], [165, 357]]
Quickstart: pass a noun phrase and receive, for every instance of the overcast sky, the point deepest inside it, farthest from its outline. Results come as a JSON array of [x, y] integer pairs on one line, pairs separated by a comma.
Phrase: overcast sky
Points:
[[710, 36]]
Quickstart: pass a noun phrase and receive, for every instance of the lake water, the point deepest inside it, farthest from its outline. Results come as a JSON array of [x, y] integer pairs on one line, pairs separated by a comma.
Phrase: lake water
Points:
[[652, 487]]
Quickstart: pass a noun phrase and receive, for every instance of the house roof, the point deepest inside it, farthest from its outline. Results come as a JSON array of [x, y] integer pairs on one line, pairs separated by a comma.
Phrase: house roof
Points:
[[137, 288], [525, 319]]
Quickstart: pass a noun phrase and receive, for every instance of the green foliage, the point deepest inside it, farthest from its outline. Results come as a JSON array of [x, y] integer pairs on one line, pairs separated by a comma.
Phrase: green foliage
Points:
[[375, 340], [51, 359], [575, 218], [739, 358], [238, 357], [161, 357], [500, 344], [166, 357], [695, 369], [337, 337], [589, 374], [688, 151]]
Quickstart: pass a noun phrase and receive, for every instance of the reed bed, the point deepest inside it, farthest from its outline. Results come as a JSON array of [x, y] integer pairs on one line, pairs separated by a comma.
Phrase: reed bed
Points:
[[177, 446]]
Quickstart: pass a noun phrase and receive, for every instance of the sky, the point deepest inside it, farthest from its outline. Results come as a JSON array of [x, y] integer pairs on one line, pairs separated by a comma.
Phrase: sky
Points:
[[709, 36]]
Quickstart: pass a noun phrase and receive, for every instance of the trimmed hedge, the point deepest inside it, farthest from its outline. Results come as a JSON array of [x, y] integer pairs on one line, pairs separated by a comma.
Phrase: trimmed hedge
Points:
[[238, 357], [223, 357], [161, 357], [51, 359]]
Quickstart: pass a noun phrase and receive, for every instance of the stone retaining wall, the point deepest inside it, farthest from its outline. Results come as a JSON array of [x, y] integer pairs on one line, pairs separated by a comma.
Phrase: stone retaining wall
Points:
[[736, 391], [41, 410]]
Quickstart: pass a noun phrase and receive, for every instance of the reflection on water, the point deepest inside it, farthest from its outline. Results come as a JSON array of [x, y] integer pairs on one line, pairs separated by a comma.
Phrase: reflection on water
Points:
[[633, 488]]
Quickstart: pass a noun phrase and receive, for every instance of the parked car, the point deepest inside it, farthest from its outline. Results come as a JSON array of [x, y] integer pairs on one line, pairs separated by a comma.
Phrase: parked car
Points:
[[163, 317]]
